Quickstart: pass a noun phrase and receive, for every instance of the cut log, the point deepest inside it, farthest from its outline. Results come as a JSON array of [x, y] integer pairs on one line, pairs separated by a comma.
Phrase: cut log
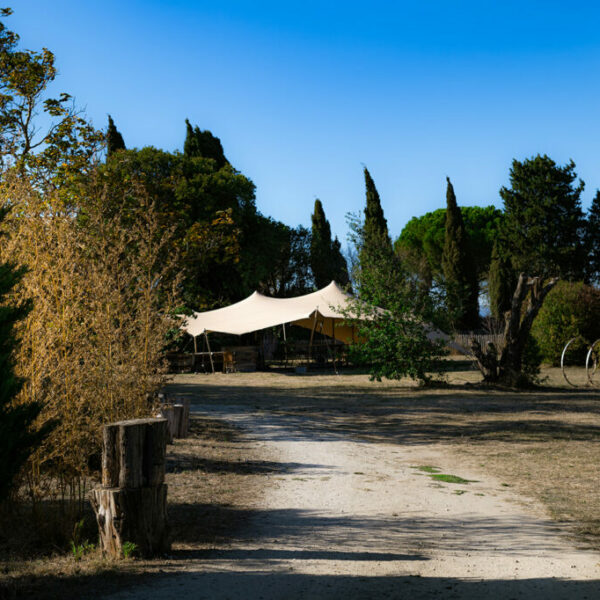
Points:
[[178, 410], [134, 453], [168, 413], [137, 516], [184, 419]]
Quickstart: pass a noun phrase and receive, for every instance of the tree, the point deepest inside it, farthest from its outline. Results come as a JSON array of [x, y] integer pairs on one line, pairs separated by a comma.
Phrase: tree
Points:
[[392, 342], [508, 365], [203, 143], [462, 286], [375, 229], [421, 242], [543, 229], [571, 310], [593, 239], [60, 150], [114, 139], [501, 282], [326, 259], [18, 435]]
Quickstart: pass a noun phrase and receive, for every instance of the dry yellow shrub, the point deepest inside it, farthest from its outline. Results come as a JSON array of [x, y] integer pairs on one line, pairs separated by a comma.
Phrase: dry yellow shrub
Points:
[[91, 349]]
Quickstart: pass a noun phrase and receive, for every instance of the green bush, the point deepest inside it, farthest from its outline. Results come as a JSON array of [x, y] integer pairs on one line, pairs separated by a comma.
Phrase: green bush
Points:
[[570, 310]]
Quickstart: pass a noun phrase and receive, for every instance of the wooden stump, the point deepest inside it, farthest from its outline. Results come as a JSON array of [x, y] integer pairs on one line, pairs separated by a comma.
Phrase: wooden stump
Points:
[[134, 453], [132, 504], [138, 516]]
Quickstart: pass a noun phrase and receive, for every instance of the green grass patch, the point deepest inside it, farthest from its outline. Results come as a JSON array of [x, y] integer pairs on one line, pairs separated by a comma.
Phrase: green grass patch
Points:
[[428, 469], [449, 478]]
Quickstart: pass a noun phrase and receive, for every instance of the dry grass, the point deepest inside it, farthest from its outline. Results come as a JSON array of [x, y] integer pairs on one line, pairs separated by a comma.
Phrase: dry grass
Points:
[[212, 476]]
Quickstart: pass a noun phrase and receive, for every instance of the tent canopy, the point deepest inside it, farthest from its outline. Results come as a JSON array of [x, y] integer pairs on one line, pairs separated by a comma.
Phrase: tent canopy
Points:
[[256, 312], [324, 310]]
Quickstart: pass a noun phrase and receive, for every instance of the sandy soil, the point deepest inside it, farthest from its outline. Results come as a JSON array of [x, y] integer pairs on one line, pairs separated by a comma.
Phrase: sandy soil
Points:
[[348, 518]]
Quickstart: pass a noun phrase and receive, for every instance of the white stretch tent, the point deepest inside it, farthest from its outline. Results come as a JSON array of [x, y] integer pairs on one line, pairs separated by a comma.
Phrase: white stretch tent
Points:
[[322, 308], [321, 311]]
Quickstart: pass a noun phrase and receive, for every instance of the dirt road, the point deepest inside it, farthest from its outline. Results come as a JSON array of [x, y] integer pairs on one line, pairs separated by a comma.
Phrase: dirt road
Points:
[[351, 519]]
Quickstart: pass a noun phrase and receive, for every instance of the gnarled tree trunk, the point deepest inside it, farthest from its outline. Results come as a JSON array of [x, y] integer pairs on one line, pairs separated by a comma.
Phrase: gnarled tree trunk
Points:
[[506, 364]]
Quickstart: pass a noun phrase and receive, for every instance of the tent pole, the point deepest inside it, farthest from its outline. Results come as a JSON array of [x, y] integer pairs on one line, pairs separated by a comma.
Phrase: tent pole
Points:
[[333, 333], [312, 335], [195, 352], [285, 346], [212, 364]]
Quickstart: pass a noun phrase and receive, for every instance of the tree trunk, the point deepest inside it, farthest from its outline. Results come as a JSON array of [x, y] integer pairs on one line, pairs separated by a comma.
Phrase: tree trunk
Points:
[[132, 504], [506, 366], [137, 516]]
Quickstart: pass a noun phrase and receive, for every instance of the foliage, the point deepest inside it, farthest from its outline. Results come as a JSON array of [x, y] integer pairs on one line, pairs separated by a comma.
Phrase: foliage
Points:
[[291, 274], [129, 549], [91, 351], [543, 226], [460, 278], [390, 316], [571, 309], [501, 282], [64, 147], [593, 239], [375, 231], [326, 259], [114, 139], [18, 436], [421, 242], [203, 144]]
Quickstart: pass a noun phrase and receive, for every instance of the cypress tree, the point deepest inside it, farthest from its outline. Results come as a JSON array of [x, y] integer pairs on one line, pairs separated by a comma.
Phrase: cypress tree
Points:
[[339, 264], [462, 287], [17, 439], [593, 239], [114, 140], [501, 282], [327, 262], [203, 143], [375, 230], [320, 247]]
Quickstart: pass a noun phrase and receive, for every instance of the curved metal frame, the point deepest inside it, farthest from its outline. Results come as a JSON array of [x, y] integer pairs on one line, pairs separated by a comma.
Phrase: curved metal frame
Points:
[[590, 376], [562, 359]]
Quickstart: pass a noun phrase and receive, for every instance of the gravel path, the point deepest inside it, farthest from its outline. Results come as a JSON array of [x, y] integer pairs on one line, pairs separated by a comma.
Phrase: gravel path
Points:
[[348, 519]]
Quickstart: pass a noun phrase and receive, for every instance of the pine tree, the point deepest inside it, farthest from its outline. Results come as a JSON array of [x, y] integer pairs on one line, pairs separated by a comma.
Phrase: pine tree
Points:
[[544, 225], [462, 286], [375, 226], [593, 239], [17, 438], [114, 140], [203, 143]]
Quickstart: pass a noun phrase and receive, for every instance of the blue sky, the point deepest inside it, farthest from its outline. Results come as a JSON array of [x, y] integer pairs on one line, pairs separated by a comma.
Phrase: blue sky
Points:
[[302, 94]]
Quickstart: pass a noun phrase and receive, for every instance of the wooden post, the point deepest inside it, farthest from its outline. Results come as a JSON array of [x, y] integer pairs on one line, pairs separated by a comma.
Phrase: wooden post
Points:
[[132, 504], [312, 335], [212, 364]]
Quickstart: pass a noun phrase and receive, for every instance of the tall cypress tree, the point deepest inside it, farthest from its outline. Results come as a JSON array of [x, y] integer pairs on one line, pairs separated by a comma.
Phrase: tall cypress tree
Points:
[[375, 229], [17, 438], [114, 140], [462, 286], [326, 260], [204, 144], [593, 239], [501, 282], [339, 264]]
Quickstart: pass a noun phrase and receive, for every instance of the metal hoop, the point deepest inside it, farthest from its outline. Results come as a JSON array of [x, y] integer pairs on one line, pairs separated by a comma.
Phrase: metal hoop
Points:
[[590, 376], [562, 359]]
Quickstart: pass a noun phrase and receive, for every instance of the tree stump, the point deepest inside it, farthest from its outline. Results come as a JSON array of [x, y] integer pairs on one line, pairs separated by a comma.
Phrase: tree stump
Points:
[[132, 504]]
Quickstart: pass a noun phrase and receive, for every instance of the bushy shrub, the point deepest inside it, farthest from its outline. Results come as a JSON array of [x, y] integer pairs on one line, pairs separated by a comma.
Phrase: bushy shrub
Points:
[[571, 309]]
